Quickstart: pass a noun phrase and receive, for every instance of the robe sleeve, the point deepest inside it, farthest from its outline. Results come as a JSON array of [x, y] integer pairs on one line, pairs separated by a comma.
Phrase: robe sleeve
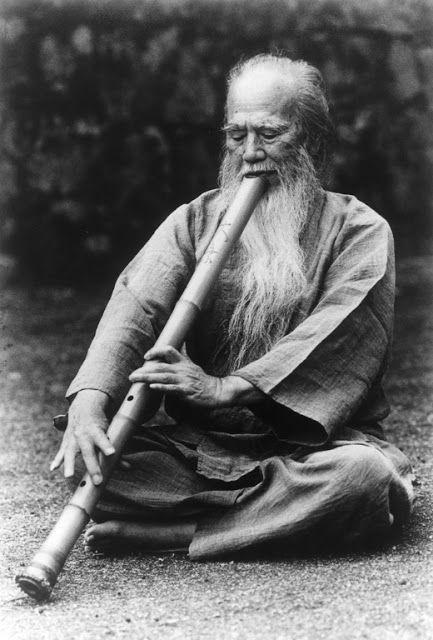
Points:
[[142, 299], [318, 376]]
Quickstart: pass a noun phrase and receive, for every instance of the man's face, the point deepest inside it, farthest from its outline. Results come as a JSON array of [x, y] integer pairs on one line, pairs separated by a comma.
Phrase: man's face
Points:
[[260, 130]]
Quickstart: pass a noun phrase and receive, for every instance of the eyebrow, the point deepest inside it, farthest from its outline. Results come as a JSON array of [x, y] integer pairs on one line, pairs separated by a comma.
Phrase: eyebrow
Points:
[[277, 126]]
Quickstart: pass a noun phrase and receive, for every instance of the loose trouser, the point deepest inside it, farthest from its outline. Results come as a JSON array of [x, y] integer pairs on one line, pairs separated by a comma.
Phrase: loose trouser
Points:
[[347, 493]]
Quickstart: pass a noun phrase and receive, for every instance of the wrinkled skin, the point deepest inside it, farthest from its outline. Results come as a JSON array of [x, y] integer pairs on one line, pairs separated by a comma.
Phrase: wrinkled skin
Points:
[[165, 370]]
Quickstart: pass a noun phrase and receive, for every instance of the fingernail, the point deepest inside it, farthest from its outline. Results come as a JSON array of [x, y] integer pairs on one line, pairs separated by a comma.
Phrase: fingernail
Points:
[[110, 451], [97, 479], [52, 466]]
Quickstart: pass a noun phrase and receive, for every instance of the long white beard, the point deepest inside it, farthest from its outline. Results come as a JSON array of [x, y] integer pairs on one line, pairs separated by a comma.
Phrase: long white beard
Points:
[[270, 268]]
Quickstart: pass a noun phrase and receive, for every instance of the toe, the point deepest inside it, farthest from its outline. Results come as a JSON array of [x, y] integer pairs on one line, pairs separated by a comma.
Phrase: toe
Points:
[[89, 533]]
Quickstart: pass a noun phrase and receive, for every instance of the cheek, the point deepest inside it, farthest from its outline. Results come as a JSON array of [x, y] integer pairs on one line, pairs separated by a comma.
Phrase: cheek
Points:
[[234, 147], [275, 152], [281, 150]]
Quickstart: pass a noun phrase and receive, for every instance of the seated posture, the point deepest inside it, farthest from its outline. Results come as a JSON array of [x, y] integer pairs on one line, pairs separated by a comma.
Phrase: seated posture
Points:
[[274, 403]]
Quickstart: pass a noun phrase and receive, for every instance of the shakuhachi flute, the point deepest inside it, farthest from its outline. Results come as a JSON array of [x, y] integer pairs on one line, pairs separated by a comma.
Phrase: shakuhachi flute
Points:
[[40, 576]]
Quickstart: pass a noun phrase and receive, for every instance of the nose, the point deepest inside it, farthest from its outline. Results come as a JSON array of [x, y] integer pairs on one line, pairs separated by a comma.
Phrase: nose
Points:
[[253, 152]]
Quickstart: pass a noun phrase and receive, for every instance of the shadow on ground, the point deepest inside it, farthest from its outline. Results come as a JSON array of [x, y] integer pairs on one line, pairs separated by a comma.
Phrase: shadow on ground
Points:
[[385, 593]]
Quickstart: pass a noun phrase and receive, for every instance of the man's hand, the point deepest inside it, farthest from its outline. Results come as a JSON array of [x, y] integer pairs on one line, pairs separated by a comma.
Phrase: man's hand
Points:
[[168, 371], [87, 424]]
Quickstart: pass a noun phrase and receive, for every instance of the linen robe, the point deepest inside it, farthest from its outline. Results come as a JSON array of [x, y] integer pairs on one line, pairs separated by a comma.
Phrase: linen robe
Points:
[[321, 384]]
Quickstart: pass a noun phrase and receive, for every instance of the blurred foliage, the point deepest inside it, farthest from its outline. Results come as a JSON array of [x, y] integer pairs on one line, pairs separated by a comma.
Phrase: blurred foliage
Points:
[[110, 114]]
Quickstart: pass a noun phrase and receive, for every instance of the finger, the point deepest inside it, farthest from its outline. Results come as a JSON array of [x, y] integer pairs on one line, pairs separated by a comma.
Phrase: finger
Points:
[[165, 353], [103, 443], [151, 377], [151, 367], [91, 461], [172, 389], [69, 461], [58, 459], [184, 354], [156, 366]]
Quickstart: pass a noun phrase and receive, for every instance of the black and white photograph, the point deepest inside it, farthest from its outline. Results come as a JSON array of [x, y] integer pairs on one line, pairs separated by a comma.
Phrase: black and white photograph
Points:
[[216, 344]]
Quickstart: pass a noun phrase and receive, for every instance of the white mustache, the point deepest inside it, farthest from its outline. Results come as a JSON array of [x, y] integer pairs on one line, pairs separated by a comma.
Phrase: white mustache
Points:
[[257, 167]]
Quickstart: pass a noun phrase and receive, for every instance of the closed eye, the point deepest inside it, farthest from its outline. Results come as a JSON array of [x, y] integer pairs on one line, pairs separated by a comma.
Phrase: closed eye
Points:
[[236, 135], [269, 134]]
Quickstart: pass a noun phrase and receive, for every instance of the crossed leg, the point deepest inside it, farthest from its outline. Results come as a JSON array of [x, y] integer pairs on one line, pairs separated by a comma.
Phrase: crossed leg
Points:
[[350, 493]]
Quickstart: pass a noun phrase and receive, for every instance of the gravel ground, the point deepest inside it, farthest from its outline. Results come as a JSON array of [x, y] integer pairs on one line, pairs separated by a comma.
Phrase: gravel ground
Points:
[[383, 594]]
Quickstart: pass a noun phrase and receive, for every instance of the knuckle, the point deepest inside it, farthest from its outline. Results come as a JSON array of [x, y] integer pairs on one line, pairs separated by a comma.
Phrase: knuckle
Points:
[[96, 427], [91, 429], [102, 440], [69, 445]]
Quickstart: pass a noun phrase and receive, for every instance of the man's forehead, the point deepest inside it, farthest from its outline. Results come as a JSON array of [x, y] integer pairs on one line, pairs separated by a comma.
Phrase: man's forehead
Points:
[[262, 91], [242, 119]]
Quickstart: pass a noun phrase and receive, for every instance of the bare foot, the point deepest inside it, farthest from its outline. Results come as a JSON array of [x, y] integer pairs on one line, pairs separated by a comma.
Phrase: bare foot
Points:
[[120, 535], [105, 537]]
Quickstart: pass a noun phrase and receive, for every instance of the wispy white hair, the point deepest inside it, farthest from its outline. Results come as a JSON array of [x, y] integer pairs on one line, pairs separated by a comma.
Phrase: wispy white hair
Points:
[[310, 106]]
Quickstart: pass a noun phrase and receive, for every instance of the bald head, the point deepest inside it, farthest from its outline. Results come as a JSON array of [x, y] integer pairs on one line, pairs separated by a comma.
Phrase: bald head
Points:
[[261, 87]]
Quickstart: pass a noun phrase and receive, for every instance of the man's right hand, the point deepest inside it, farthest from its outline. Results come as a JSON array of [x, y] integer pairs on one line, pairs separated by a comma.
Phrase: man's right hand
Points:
[[85, 433]]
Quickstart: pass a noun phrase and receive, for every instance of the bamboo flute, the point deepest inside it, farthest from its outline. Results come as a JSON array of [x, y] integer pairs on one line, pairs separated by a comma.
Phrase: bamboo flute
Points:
[[41, 574]]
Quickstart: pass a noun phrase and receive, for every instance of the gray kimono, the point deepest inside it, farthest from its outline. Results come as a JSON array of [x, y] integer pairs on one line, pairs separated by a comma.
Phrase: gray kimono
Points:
[[322, 386]]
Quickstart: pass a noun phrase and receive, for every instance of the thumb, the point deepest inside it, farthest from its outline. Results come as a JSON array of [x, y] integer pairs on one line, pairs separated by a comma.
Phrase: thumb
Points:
[[184, 353], [167, 354]]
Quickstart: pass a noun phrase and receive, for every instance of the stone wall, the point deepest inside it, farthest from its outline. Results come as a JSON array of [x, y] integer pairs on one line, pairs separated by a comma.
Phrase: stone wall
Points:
[[110, 116]]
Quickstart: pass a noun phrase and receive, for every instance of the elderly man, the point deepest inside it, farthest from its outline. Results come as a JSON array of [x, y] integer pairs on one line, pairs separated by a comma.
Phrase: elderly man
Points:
[[276, 399]]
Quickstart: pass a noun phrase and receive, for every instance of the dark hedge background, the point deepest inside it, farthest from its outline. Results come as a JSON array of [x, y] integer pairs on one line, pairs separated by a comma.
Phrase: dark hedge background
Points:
[[110, 115]]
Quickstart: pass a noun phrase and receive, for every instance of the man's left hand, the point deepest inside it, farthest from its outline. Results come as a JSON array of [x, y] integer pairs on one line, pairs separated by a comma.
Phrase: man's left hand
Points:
[[169, 371]]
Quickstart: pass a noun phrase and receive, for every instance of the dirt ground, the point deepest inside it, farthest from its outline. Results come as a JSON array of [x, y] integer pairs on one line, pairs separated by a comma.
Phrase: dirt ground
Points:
[[382, 594]]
